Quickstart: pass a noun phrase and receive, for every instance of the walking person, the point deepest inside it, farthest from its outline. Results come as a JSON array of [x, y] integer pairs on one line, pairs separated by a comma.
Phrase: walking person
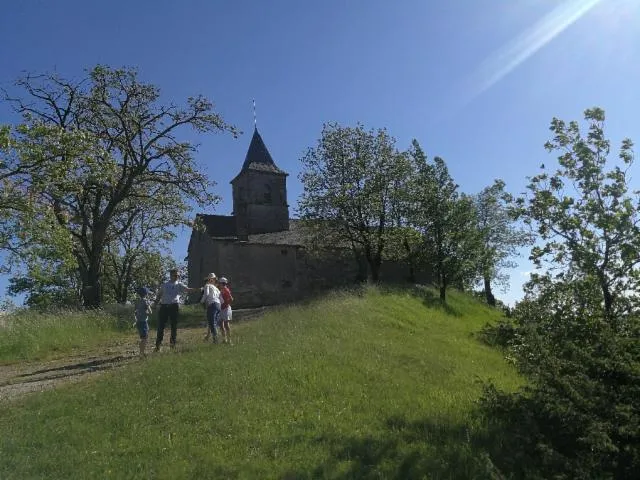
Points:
[[169, 298], [142, 312], [202, 302], [211, 299], [225, 309]]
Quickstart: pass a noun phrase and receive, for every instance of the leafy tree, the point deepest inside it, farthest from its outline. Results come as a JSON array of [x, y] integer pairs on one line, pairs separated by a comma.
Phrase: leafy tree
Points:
[[446, 221], [89, 150], [499, 234], [586, 215], [349, 182], [577, 327], [47, 280], [12, 193]]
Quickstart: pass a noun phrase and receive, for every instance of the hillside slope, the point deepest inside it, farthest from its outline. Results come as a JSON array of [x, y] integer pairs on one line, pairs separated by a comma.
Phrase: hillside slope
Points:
[[372, 385]]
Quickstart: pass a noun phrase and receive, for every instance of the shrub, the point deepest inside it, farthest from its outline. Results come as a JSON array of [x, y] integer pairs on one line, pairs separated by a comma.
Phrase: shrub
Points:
[[579, 417]]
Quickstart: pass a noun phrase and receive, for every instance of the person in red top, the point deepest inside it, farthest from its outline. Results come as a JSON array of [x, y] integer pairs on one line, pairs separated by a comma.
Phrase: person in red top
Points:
[[225, 309]]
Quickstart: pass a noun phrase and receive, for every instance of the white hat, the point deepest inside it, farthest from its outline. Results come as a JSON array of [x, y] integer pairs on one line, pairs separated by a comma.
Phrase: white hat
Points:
[[211, 275], [223, 280]]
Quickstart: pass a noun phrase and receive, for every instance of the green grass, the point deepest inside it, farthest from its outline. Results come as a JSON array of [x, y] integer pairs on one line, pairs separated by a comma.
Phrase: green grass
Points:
[[29, 336], [372, 385]]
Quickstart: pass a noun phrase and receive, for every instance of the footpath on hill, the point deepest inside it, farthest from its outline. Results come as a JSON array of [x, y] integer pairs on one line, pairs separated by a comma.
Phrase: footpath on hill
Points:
[[19, 379]]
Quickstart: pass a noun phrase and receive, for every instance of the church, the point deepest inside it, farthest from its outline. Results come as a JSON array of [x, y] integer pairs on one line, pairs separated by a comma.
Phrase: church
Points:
[[260, 249]]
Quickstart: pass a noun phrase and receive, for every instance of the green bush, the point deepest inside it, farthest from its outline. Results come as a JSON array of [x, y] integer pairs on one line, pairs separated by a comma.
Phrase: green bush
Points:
[[579, 417], [499, 334]]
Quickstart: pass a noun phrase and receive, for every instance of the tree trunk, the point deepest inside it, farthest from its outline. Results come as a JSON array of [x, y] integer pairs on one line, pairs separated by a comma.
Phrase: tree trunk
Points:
[[362, 265], [491, 300], [412, 272], [374, 262], [374, 265], [606, 296], [92, 285], [92, 274], [443, 288]]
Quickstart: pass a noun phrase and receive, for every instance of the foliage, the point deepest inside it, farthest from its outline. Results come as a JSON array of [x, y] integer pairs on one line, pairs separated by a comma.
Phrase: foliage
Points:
[[585, 215], [90, 152], [389, 394], [501, 334], [446, 221], [350, 184], [579, 417], [138, 257], [577, 336], [500, 237]]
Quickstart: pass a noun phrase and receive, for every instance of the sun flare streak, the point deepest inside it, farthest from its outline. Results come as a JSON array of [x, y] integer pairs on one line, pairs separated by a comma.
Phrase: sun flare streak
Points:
[[521, 48]]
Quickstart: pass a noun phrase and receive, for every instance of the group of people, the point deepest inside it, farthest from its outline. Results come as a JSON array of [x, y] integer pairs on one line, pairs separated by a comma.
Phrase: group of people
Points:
[[216, 297]]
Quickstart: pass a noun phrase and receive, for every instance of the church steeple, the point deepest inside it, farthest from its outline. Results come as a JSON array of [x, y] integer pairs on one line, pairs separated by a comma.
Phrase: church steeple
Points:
[[260, 192], [258, 156]]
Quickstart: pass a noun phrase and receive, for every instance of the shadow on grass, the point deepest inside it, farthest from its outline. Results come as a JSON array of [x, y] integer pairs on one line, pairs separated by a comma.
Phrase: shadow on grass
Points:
[[91, 365], [404, 449], [431, 299]]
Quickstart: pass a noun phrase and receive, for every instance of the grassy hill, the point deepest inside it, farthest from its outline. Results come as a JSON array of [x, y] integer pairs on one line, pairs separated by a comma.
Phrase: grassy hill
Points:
[[370, 385]]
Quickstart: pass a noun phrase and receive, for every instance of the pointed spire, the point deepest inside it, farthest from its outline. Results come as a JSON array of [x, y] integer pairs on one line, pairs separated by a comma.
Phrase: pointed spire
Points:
[[258, 157]]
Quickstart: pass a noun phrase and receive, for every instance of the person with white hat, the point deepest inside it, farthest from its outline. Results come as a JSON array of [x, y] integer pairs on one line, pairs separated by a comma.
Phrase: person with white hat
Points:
[[211, 299], [225, 309]]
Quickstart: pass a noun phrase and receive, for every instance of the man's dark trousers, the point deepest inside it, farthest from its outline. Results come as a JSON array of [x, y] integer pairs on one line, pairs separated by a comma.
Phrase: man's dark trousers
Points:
[[167, 312]]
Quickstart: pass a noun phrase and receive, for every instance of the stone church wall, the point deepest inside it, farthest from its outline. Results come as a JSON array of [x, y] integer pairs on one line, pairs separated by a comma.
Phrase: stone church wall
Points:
[[259, 274], [265, 274]]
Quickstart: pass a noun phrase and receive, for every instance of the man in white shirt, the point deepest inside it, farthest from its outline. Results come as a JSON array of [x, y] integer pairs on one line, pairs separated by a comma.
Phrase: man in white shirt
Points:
[[169, 298]]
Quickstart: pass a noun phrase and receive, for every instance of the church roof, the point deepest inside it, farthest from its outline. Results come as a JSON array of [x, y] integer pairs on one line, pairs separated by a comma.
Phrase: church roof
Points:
[[220, 226], [223, 227], [258, 157], [294, 236]]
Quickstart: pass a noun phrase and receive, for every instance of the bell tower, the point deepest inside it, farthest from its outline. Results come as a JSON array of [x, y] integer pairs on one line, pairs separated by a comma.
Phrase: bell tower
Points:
[[260, 193]]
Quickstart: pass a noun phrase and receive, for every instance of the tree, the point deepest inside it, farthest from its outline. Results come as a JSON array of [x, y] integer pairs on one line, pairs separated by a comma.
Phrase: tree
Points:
[[48, 278], [349, 180], [135, 258], [13, 198], [123, 273], [88, 150], [577, 329], [446, 221], [499, 234], [586, 216]]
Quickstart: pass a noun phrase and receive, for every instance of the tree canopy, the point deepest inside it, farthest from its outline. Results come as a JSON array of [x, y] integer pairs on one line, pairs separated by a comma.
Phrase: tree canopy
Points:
[[89, 152]]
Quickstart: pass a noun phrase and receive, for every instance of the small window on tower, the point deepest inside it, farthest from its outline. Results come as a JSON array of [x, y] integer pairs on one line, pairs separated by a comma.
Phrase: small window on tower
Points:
[[267, 193]]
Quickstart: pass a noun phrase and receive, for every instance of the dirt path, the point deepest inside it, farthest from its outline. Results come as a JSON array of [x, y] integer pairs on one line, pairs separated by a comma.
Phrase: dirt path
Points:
[[20, 379]]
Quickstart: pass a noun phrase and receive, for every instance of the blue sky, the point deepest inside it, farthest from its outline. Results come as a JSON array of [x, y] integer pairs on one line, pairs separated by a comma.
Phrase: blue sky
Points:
[[475, 81]]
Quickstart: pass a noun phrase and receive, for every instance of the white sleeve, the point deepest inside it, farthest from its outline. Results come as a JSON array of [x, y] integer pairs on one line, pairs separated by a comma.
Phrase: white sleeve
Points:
[[204, 295]]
